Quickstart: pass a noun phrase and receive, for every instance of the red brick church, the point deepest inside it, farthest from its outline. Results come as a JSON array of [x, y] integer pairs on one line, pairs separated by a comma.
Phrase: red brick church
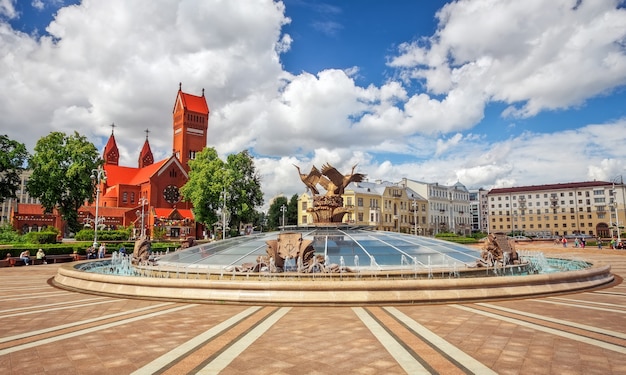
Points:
[[148, 193]]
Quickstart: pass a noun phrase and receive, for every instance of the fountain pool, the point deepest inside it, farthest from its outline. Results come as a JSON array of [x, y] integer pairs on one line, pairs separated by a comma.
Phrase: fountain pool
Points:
[[371, 268]]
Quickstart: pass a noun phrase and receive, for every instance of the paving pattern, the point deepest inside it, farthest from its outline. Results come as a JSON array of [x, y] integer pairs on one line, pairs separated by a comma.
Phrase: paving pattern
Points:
[[45, 330]]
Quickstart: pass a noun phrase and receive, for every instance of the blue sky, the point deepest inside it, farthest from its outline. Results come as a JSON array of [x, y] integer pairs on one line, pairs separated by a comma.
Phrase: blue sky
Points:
[[491, 94]]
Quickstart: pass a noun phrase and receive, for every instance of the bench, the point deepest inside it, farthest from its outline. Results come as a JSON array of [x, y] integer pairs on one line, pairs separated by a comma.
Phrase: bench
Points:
[[60, 258]]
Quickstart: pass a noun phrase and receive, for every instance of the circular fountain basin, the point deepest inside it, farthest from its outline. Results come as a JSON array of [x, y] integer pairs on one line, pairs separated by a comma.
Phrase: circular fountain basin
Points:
[[381, 268]]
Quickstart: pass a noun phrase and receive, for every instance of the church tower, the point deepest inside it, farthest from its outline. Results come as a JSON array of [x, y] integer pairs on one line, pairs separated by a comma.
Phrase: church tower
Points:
[[111, 154], [145, 157], [191, 122]]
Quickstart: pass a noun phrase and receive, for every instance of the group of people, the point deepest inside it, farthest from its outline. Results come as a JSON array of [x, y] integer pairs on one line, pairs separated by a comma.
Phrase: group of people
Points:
[[100, 253], [614, 244], [25, 257]]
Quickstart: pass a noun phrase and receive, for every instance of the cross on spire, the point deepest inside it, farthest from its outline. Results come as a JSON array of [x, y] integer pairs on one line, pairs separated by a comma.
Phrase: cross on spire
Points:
[[112, 128], [147, 131]]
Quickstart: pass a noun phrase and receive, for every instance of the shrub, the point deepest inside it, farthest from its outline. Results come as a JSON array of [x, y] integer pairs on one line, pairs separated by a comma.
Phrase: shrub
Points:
[[41, 237], [103, 235]]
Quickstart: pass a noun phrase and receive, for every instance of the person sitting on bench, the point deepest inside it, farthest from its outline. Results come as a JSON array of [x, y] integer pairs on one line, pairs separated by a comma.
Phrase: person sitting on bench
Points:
[[42, 256], [25, 256]]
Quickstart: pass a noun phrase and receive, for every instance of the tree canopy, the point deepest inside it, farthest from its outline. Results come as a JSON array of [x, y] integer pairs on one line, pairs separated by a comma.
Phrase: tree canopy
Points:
[[212, 180], [275, 215], [13, 156], [61, 174]]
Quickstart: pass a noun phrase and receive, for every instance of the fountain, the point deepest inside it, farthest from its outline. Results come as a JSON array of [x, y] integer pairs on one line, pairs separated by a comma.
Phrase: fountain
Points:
[[319, 265]]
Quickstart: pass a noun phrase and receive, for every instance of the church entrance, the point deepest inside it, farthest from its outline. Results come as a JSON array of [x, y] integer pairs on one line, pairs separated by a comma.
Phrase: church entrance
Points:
[[174, 232]]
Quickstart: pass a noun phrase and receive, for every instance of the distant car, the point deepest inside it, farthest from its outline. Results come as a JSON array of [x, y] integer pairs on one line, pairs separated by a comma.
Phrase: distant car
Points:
[[520, 238]]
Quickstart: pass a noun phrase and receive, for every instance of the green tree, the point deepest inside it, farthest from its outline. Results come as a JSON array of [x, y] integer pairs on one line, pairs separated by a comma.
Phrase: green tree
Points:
[[13, 156], [61, 174], [291, 216], [211, 181], [275, 215], [243, 188], [204, 189]]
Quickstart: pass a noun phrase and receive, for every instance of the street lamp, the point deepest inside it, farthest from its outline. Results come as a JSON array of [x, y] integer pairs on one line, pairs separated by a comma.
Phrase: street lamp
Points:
[[619, 239], [283, 208], [225, 195], [142, 201], [415, 216], [97, 175]]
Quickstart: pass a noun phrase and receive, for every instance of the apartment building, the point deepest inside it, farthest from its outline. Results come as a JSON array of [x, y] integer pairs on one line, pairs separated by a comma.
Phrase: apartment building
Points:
[[448, 206], [9, 206], [594, 208], [479, 210]]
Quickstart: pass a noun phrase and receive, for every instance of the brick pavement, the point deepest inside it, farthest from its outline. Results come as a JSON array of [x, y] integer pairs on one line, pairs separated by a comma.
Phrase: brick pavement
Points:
[[46, 330]]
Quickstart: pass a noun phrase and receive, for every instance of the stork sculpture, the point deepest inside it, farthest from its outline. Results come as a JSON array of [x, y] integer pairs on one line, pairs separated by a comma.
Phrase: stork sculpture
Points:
[[328, 208]]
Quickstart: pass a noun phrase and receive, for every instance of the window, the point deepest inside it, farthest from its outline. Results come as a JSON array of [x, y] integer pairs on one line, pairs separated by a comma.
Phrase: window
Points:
[[304, 206], [124, 197], [132, 197], [359, 202]]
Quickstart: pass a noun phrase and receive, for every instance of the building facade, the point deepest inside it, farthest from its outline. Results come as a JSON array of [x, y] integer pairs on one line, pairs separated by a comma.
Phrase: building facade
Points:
[[448, 206], [594, 208]]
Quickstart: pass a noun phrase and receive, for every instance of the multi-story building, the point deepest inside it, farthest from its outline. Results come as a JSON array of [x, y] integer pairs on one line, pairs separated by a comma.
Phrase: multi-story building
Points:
[[381, 204], [594, 208], [448, 206], [10, 204], [479, 210]]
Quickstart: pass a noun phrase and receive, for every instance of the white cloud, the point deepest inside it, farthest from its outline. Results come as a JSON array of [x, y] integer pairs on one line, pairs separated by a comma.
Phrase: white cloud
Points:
[[533, 55]]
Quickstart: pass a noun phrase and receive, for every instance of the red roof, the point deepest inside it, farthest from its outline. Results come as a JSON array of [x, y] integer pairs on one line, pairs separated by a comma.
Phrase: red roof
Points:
[[29, 209], [117, 175], [166, 212], [194, 103]]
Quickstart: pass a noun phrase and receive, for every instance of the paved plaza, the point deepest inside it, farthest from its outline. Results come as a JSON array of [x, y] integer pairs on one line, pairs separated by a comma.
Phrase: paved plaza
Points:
[[46, 330]]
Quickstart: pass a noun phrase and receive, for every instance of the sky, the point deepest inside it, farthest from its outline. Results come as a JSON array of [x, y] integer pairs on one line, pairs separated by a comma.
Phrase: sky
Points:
[[489, 93]]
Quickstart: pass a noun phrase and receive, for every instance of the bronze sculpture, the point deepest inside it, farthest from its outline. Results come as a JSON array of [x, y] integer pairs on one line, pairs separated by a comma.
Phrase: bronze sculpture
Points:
[[328, 208]]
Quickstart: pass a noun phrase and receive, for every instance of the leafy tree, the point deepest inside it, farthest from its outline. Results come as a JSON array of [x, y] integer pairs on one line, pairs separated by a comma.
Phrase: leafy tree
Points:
[[243, 188], [291, 216], [204, 189], [211, 181], [275, 215], [61, 174], [13, 156]]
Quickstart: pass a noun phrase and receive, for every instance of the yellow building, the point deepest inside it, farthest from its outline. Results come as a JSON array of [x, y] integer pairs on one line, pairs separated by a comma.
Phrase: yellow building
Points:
[[383, 205], [593, 208]]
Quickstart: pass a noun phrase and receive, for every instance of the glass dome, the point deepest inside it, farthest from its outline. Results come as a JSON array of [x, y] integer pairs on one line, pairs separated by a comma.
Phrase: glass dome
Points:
[[353, 247]]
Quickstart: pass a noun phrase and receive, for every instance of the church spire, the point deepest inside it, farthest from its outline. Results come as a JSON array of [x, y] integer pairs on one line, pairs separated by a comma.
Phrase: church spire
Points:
[[111, 153], [145, 157]]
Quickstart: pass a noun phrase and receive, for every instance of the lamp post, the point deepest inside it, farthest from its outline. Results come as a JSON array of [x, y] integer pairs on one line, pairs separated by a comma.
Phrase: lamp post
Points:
[[283, 208], [415, 216], [225, 195], [142, 201], [98, 175], [619, 239]]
